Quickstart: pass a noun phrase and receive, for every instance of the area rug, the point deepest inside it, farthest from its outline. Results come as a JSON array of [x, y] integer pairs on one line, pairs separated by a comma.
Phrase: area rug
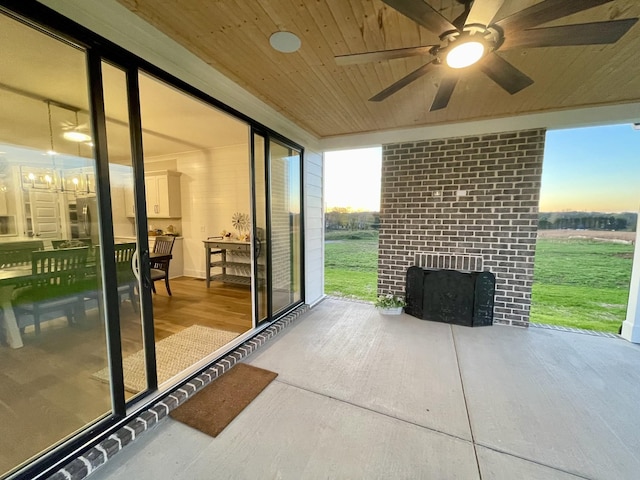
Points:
[[215, 406], [173, 355]]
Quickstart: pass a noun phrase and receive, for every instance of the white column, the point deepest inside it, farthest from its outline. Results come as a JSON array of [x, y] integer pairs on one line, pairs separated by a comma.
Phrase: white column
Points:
[[631, 326]]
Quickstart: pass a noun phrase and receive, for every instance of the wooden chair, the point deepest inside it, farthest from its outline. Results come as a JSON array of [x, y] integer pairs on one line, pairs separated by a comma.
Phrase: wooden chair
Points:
[[13, 254], [56, 284], [127, 281], [160, 268]]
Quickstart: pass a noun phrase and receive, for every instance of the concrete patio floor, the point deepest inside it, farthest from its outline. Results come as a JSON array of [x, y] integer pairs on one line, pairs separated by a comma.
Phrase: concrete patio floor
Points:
[[360, 395]]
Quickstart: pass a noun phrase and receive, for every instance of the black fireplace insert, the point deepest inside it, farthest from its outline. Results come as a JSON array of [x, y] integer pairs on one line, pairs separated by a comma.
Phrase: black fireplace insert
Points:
[[451, 296]]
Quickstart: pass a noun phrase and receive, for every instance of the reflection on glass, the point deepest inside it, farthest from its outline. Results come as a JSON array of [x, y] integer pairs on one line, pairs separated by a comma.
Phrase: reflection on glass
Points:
[[285, 226], [197, 185], [260, 240], [122, 188], [54, 342]]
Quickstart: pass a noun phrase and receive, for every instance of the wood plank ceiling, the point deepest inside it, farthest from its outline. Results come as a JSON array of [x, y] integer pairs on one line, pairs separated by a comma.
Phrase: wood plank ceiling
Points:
[[329, 100]]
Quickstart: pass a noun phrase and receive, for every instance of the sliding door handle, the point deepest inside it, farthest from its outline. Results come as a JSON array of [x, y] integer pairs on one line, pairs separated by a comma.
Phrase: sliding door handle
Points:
[[145, 273]]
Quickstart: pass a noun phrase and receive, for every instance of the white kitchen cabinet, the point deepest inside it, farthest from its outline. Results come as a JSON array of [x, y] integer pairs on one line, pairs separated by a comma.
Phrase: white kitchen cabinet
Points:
[[163, 194], [162, 190]]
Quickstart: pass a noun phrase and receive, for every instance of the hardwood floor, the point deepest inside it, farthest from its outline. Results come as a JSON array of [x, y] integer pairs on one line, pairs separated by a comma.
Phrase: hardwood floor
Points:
[[222, 306], [46, 388]]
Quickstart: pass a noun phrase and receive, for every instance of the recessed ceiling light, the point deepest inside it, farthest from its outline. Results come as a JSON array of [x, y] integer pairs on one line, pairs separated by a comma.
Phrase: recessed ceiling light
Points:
[[285, 42]]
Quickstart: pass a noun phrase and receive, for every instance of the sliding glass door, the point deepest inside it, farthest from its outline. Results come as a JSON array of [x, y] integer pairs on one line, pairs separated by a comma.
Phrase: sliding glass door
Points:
[[260, 229], [104, 159], [126, 236], [54, 358], [278, 226], [285, 208]]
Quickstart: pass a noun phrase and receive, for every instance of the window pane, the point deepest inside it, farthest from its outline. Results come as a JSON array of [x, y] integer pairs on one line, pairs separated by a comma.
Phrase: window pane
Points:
[[121, 175], [260, 239], [197, 186], [54, 336], [285, 226]]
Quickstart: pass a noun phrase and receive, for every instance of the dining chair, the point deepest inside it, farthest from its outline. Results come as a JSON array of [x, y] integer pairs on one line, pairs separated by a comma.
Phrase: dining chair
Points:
[[13, 254], [160, 267], [127, 281], [56, 284]]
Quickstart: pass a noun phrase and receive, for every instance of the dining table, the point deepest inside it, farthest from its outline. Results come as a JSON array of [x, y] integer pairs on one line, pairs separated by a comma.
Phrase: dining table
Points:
[[9, 277]]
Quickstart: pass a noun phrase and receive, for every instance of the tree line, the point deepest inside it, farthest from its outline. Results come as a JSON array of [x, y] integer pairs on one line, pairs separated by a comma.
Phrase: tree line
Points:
[[344, 218], [588, 221]]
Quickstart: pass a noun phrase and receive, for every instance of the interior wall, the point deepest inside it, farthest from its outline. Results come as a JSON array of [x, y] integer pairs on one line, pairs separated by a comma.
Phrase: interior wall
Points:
[[471, 196], [214, 185]]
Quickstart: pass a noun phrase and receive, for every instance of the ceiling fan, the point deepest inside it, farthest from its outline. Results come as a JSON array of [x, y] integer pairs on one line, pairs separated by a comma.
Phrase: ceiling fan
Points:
[[474, 38]]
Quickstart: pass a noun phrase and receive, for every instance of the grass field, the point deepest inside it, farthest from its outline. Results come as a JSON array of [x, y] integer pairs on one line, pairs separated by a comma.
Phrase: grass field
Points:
[[578, 282], [581, 283], [351, 264]]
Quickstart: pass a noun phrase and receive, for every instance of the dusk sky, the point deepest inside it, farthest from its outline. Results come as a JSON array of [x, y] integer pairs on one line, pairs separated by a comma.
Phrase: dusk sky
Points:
[[585, 169], [353, 179], [591, 169]]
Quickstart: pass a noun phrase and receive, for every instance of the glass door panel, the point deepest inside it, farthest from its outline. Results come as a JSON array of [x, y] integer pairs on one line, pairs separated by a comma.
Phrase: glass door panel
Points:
[[198, 201], [285, 219], [121, 175], [260, 246], [53, 355]]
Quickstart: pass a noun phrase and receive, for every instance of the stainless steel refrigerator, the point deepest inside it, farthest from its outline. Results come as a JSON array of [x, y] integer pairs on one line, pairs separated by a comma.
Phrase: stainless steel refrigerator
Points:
[[87, 219]]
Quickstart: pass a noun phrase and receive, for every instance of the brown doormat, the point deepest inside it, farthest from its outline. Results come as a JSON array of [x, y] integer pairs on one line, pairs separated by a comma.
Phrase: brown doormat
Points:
[[215, 406]]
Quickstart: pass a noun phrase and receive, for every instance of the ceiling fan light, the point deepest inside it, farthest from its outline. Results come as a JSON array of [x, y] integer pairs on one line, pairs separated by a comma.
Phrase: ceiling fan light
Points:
[[465, 54], [76, 136]]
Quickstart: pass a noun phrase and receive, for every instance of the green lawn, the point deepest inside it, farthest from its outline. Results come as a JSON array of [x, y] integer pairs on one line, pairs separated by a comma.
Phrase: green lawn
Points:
[[577, 283], [581, 283], [351, 264]]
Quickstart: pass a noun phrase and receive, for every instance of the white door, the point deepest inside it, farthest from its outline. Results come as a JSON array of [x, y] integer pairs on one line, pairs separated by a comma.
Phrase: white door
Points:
[[45, 214]]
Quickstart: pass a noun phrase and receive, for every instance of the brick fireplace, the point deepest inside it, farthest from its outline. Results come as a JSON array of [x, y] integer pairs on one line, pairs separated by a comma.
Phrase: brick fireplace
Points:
[[474, 196]]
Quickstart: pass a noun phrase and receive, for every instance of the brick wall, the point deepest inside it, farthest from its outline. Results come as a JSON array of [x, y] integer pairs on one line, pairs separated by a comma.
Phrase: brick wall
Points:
[[472, 196]]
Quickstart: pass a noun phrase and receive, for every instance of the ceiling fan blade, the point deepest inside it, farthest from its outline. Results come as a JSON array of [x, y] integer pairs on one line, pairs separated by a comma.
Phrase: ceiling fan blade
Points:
[[483, 11], [403, 82], [597, 33], [443, 95], [504, 74], [423, 14], [544, 12], [382, 55]]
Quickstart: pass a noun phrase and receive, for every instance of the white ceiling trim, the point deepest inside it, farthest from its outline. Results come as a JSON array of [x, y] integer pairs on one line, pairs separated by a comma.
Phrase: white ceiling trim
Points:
[[117, 24], [583, 117]]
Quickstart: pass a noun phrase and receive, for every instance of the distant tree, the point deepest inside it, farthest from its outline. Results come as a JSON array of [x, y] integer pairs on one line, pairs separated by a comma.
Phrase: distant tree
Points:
[[343, 218], [589, 220], [621, 224], [544, 224]]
